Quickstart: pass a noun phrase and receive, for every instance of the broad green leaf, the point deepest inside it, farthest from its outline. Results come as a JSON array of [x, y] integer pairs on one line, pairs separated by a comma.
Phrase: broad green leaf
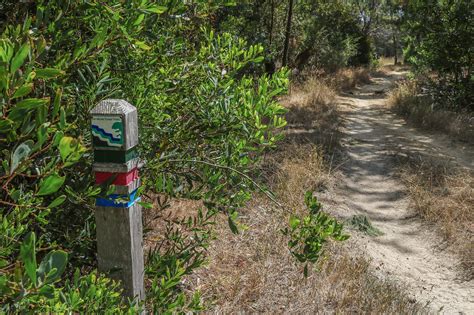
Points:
[[41, 115], [51, 185], [20, 57], [62, 118], [52, 266], [31, 103], [142, 45], [17, 116], [57, 138], [57, 102], [66, 147], [70, 150], [294, 222], [23, 90], [48, 73], [79, 50], [47, 291], [233, 226], [3, 52], [139, 19], [19, 155], [42, 135], [56, 202], [156, 9], [146, 205], [28, 256], [5, 125]]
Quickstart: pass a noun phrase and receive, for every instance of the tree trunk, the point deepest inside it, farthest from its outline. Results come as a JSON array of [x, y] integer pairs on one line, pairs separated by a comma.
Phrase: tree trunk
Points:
[[395, 44], [394, 36], [272, 17], [287, 34]]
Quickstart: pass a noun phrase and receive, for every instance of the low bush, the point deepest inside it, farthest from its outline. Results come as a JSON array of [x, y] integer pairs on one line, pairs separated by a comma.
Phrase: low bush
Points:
[[32, 287], [308, 234]]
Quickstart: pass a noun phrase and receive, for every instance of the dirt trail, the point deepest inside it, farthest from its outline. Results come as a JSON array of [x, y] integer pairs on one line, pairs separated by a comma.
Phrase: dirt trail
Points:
[[407, 251]]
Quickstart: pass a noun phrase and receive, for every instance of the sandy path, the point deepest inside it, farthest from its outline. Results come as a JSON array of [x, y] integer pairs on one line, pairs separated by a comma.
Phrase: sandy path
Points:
[[408, 250]]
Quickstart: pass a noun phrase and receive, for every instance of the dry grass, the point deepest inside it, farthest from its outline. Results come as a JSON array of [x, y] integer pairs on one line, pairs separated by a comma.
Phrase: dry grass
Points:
[[387, 64], [440, 193], [313, 115], [342, 80], [254, 270], [443, 196], [386, 61], [406, 101], [157, 218], [347, 79]]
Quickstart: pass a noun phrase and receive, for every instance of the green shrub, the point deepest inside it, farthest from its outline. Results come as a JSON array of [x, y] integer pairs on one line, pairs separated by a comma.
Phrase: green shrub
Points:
[[308, 234], [35, 287], [439, 40], [204, 122]]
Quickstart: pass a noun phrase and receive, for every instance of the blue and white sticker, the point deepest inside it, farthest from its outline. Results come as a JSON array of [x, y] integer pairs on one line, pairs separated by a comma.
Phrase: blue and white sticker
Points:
[[107, 131]]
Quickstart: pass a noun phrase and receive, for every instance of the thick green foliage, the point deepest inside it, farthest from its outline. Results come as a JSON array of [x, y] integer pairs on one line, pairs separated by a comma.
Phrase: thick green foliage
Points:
[[204, 122], [333, 33], [31, 287], [439, 37], [325, 34]]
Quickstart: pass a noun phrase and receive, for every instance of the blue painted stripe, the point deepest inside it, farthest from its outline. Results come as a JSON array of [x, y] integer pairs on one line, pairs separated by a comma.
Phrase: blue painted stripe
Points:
[[108, 203], [102, 132], [111, 200]]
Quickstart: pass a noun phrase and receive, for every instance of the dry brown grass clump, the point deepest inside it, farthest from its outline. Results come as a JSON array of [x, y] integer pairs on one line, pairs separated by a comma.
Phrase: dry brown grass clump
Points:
[[254, 270], [344, 79], [407, 101], [386, 61], [313, 115], [387, 65], [445, 197], [348, 78]]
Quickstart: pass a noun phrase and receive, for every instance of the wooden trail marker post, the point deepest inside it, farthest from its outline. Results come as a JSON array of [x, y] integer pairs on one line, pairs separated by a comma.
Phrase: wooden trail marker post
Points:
[[118, 216]]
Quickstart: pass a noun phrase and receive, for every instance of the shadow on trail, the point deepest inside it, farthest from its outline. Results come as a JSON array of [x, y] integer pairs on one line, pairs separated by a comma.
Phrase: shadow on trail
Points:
[[374, 139]]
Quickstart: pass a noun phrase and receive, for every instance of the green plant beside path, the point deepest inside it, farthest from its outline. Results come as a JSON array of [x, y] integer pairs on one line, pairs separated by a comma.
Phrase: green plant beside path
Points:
[[309, 233]]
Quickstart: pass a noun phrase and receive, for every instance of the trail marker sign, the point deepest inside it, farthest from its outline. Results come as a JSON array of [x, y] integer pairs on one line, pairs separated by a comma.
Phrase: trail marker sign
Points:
[[114, 126]]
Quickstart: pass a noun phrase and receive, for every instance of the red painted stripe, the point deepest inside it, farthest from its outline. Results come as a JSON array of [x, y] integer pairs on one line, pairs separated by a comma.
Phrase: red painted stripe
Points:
[[120, 179]]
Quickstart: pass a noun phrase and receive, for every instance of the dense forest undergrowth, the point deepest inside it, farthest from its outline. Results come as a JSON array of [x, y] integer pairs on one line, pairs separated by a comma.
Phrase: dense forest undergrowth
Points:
[[231, 161]]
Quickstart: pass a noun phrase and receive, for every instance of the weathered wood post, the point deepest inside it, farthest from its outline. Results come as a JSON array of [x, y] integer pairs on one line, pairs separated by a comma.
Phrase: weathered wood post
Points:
[[118, 216]]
